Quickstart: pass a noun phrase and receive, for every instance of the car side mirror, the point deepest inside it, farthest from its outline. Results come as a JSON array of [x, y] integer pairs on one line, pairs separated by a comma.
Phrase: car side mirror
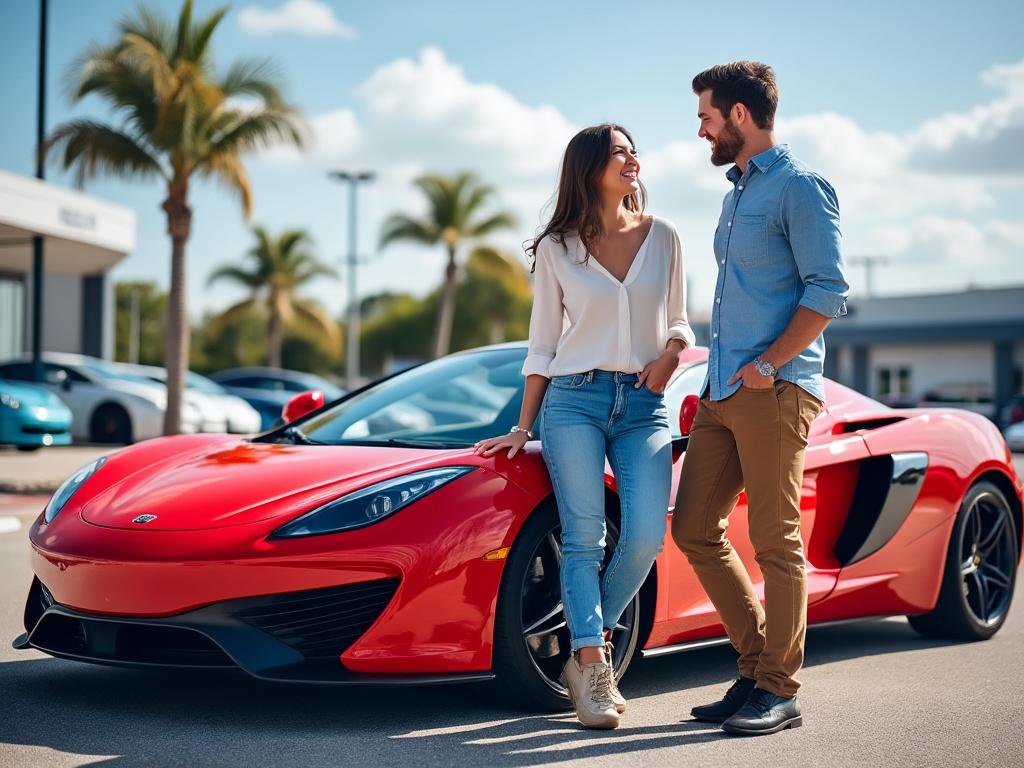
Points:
[[301, 404], [687, 411]]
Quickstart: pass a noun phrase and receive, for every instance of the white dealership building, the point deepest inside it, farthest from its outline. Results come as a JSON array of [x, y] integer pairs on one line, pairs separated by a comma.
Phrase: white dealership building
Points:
[[83, 239]]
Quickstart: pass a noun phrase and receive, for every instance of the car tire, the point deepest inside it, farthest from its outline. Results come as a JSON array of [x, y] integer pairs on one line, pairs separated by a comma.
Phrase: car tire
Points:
[[980, 572], [520, 680], [110, 423]]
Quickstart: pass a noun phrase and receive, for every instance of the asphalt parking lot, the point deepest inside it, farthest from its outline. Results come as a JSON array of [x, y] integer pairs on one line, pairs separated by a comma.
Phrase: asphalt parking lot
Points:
[[874, 693]]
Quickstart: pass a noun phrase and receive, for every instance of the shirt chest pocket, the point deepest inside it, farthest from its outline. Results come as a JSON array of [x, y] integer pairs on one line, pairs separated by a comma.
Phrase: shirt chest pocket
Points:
[[750, 239]]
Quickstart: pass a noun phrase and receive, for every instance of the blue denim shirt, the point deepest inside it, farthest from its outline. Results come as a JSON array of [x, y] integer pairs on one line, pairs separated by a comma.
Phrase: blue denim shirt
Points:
[[778, 247]]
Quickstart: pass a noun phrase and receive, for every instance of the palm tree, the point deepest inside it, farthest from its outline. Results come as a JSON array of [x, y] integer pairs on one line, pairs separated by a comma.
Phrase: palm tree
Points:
[[453, 217], [278, 268], [179, 120]]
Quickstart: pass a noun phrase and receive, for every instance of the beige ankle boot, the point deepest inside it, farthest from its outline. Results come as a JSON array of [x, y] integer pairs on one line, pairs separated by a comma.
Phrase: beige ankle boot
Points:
[[589, 687]]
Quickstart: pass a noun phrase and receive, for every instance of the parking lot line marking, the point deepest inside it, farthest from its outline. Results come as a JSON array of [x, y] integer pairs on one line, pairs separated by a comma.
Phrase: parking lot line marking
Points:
[[9, 524]]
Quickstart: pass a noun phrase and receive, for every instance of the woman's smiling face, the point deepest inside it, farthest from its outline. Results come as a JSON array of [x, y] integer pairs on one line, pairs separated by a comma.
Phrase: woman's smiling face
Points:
[[621, 175]]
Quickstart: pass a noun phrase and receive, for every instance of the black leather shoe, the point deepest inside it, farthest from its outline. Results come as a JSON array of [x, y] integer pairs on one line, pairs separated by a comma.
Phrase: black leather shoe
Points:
[[729, 705], [764, 713]]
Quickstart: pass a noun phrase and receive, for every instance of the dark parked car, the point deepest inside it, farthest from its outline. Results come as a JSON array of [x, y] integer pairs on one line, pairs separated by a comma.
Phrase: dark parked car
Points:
[[268, 389]]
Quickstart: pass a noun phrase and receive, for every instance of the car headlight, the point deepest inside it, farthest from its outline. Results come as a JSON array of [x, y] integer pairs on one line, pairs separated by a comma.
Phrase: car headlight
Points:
[[68, 488], [368, 505], [9, 401]]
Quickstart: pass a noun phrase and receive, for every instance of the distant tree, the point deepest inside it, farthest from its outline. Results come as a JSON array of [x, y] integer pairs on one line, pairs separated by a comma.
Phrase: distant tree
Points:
[[492, 305], [152, 314], [279, 266], [178, 122], [454, 216], [242, 341]]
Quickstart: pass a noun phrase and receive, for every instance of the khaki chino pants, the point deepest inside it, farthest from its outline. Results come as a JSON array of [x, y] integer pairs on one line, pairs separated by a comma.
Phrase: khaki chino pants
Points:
[[754, 439]]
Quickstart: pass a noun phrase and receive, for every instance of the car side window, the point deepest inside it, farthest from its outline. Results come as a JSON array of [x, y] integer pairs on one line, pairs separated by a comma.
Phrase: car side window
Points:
[[55, 374]]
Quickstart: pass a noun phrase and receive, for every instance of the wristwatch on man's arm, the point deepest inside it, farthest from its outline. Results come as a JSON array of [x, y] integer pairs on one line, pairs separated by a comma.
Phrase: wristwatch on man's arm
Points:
[[765, 368]]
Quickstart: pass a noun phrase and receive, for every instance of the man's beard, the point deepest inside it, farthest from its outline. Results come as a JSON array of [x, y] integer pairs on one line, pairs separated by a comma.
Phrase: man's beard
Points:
[[728, 145]]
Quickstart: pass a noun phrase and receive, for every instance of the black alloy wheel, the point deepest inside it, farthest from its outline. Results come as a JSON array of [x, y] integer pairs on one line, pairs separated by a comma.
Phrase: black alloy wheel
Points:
[[531, 634], [980, 572], [111, 424]]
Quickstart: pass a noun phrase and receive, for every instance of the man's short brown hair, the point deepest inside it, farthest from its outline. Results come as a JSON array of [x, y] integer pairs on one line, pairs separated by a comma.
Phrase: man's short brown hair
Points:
[[749, 83]]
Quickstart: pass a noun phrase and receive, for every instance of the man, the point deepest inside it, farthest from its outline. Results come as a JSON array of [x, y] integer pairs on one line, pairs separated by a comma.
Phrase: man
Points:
[[780, 281]]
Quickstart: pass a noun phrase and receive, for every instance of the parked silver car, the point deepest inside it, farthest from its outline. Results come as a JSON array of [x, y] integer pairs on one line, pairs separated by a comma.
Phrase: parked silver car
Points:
[[221, 411], [108, 405]]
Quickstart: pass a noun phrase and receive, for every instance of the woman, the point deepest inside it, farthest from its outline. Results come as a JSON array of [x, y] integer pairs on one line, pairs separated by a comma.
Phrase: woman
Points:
[[617, 274]]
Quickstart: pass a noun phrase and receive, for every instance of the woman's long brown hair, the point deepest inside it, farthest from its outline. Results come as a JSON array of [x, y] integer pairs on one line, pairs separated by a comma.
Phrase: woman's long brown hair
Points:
[[578, 202]]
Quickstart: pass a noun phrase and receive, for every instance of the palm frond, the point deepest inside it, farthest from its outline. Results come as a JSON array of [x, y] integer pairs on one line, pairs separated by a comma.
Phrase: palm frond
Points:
[[311, 271], [90, 147], [398, 226], [315, 315], [182, 31], [503, 220], [228, 169], [256, 130], [291, 239], [253, 77], [200, 34], [152, 27], [234, 274]]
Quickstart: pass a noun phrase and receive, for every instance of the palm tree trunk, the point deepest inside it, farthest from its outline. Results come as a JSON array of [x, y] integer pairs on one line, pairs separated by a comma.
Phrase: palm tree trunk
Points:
[[275, 335], [446, 311], [179, 218]]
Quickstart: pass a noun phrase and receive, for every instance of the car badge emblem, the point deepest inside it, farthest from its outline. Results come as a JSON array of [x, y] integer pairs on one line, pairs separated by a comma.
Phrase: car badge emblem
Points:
[[143, 519]]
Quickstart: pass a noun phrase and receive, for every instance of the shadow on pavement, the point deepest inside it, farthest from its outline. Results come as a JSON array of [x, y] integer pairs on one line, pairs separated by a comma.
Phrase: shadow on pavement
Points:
[[222, 718]]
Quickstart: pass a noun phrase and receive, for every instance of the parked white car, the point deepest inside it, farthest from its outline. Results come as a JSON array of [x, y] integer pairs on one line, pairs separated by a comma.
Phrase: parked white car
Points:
[[222, 411], [1014, 435], [108, 405]]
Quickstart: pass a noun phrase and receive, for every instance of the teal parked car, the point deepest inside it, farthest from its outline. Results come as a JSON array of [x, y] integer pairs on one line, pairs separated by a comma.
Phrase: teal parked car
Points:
[[31, 416]]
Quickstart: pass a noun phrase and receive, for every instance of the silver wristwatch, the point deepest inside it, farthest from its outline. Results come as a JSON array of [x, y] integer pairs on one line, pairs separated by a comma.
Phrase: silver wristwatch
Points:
[[517, 428], [765, 368]]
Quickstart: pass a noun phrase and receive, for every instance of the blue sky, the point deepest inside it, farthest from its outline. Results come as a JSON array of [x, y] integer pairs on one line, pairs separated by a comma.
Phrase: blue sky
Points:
[[914, 110]]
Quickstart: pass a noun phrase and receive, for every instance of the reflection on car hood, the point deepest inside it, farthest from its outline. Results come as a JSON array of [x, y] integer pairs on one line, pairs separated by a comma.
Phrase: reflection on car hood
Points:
[[231, 482]]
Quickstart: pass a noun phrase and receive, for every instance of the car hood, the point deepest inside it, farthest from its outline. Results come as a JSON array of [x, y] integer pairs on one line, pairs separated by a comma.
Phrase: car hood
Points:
[[31, 396], [234, 482]]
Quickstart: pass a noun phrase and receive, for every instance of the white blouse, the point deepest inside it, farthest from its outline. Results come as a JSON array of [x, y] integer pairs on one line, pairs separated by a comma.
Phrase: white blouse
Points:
[[583, 318]]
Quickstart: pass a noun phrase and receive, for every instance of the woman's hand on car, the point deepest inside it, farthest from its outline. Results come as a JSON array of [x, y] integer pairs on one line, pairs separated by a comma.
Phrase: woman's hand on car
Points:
[[514, 441]]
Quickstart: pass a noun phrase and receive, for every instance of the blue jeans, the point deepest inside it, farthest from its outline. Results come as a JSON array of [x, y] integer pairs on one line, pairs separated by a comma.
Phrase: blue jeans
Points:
[[585, 417]]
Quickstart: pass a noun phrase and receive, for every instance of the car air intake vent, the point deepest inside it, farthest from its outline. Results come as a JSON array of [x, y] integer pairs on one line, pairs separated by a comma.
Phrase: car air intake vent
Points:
[[856, 426], [318, 623]]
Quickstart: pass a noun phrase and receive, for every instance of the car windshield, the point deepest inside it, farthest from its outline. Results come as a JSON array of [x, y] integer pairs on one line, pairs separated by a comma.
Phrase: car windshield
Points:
[[105, 371], [451, 402], [202, 384]]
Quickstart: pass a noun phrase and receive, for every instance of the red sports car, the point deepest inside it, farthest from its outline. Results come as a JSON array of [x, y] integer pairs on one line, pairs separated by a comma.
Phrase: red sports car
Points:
[[364, 542]]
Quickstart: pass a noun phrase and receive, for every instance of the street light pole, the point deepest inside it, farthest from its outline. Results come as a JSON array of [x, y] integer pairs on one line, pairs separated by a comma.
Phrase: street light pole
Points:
[[869, 263], [352, 345], [38, 270]]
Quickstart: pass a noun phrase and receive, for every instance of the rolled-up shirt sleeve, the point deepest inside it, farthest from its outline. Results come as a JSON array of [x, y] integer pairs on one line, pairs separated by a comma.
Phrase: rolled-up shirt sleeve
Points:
[[678, 325], [546, 315], [810, 214]]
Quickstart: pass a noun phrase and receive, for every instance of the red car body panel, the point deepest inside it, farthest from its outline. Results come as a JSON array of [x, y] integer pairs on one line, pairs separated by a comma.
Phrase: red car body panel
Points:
[[218, 499]]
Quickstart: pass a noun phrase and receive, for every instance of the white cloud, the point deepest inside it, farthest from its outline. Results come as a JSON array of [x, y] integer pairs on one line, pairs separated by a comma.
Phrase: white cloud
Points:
[[984, 140], [939, 228], [306, 17]]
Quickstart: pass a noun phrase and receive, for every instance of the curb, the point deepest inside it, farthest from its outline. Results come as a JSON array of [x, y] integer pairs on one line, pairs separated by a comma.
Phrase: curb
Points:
[[29, 488]]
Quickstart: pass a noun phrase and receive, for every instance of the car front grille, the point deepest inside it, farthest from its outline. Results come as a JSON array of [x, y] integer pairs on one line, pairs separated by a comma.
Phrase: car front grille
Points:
[[318, 623]]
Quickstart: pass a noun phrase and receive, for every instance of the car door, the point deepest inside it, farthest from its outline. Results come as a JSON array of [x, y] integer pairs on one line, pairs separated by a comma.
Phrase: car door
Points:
[[80, 394], [685, 611]]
